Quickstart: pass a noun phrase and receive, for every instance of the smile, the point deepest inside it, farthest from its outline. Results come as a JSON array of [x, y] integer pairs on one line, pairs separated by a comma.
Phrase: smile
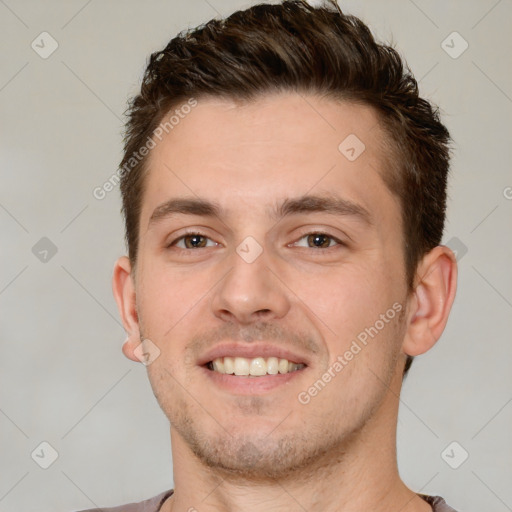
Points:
[[253, 367]]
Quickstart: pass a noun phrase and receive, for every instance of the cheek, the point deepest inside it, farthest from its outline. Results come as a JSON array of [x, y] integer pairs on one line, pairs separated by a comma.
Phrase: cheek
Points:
[[347, 304], [346, 297], [165, 298]]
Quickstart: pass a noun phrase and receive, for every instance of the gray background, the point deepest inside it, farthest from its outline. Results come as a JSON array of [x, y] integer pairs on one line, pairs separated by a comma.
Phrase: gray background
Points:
[[63, 377]]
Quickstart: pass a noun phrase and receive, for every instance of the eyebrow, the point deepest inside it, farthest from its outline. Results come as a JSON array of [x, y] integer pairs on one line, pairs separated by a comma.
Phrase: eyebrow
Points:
[[290, 206], [325, 204], [185, 206]]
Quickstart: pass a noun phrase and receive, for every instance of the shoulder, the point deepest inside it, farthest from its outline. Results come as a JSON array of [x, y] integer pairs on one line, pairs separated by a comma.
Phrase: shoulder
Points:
[[438, 503], [150, 505]]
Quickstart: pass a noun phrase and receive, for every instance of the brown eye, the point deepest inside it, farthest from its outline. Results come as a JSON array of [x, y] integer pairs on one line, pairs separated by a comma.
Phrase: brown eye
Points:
[[319, 240], [194, 241], [319, 243]]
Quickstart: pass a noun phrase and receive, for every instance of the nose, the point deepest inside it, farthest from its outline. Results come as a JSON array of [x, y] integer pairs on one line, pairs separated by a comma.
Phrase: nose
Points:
[[250, 292]]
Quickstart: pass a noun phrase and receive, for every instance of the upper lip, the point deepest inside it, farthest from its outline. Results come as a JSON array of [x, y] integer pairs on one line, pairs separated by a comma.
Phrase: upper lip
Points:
[[251, 350]]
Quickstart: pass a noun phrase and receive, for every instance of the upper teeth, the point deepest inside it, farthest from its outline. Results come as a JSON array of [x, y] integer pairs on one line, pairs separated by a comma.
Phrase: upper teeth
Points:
[[257, 366]]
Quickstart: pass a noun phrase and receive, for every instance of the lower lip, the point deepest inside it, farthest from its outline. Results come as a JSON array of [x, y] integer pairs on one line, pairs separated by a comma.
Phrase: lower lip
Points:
[[246, 385]]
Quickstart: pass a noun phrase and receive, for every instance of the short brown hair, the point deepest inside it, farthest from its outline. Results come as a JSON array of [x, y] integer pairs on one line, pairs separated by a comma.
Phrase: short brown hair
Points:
[[288, 47]]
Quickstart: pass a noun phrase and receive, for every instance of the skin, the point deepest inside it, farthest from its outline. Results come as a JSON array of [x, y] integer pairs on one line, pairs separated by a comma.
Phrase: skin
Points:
[[265, 450]]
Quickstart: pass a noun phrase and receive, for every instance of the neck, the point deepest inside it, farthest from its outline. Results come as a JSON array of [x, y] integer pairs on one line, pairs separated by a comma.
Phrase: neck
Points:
[[360, 475]]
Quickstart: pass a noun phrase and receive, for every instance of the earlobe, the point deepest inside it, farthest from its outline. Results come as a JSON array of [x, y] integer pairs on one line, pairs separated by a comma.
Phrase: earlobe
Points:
[[129, 347], [124, 293], [431, 301]]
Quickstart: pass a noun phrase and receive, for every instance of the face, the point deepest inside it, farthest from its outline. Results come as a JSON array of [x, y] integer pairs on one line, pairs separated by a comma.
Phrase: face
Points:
[[267, 248]]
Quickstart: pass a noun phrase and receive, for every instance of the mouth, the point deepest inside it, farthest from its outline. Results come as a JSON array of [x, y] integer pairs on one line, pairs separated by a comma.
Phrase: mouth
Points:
[[253, 367]]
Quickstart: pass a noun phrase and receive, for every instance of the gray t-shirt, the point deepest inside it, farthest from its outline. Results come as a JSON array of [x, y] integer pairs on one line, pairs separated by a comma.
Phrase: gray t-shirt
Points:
[[154, 504]]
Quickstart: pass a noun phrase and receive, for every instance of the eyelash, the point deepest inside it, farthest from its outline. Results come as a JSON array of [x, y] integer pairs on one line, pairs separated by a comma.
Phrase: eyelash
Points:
[[322, 233]]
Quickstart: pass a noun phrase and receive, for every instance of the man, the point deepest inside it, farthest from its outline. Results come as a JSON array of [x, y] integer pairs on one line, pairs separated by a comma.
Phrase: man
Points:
[[284, 191]]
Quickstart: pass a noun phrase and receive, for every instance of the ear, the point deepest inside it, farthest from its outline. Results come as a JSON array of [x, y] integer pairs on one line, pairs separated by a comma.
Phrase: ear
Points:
[[124, 292], [431, 300]]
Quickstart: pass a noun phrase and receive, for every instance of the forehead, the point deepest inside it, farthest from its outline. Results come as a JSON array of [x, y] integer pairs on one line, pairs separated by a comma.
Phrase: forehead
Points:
[[247, 154]]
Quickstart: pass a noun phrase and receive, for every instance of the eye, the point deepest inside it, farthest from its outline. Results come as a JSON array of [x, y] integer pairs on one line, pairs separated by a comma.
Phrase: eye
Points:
[[192, 241], [319, 241]]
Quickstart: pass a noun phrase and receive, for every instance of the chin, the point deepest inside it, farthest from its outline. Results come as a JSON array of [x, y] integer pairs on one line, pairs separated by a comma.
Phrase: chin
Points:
[[254, 453], [256, 459]]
